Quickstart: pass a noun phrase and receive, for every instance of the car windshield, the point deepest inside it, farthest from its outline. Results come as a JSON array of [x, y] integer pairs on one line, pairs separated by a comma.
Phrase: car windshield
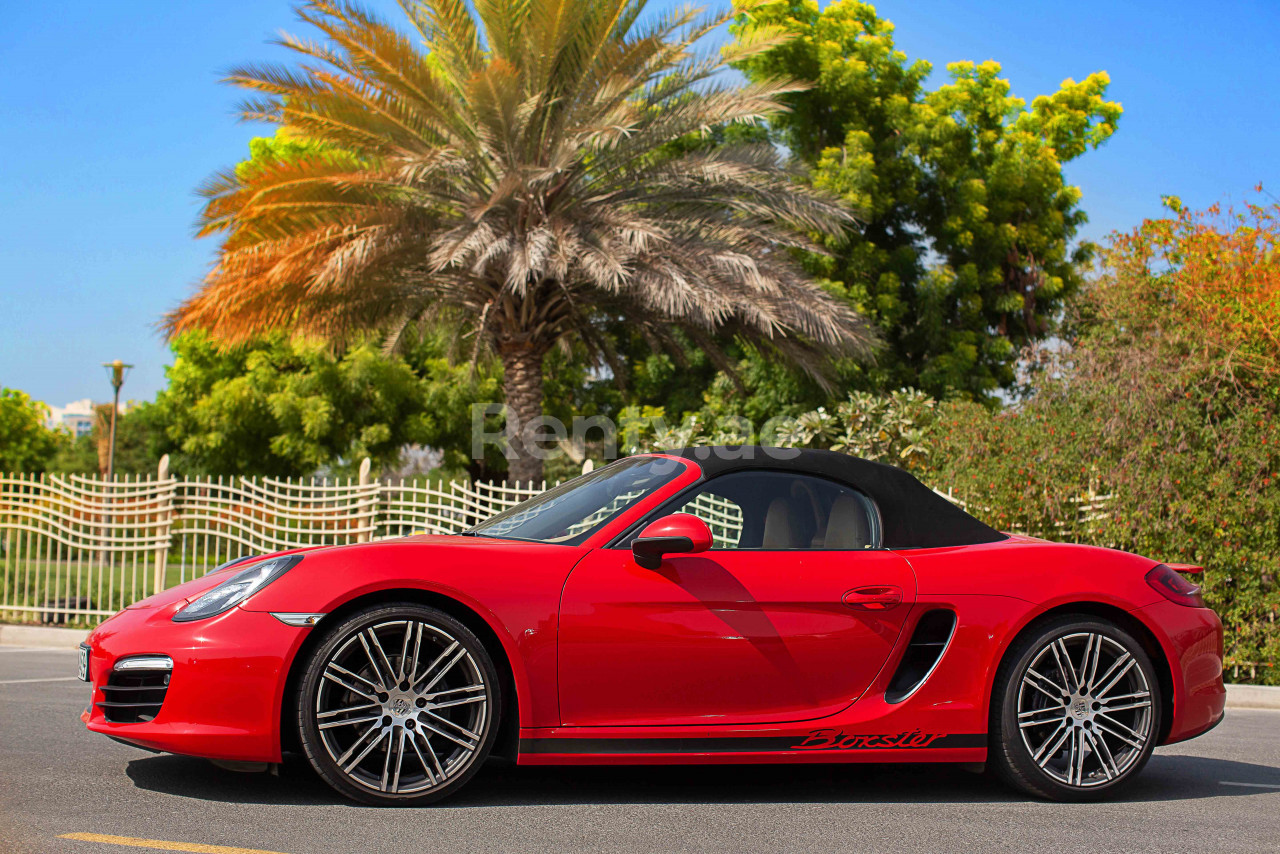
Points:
[[573, 511]]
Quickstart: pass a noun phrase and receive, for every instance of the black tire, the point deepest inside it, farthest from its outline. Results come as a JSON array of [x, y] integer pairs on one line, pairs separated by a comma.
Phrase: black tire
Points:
[[1100, 754], [437, 744]]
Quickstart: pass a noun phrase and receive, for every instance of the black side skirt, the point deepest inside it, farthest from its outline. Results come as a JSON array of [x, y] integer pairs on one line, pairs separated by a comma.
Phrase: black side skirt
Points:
[[748, 744]]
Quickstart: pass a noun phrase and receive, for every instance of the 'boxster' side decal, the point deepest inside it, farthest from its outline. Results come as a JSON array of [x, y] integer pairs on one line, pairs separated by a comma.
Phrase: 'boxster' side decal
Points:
[[818, 739], [835, 739]]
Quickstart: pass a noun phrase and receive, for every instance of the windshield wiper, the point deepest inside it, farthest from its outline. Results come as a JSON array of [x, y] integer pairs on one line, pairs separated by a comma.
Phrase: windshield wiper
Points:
[[470, 533]]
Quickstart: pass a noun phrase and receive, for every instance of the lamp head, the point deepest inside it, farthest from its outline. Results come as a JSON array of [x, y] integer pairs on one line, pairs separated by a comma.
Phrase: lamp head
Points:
[[116, 372]]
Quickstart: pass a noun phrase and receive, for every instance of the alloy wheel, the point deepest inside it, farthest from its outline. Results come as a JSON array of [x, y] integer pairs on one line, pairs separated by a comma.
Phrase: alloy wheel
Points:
[[1085, 709], [402, 707]]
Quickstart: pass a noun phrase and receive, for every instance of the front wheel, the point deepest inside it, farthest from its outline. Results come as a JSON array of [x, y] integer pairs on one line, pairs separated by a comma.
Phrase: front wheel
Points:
[[398, 705], [1076, 711]]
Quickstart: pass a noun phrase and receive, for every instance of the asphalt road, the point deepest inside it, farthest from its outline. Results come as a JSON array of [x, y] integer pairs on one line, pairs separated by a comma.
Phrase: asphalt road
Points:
[[1217, 793]]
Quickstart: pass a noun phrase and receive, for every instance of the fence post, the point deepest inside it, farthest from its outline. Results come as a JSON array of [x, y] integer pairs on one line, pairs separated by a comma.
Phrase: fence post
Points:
[[368, 505], [164, 515]]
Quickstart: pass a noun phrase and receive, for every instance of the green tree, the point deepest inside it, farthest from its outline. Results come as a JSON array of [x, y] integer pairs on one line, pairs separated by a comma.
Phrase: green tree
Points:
[[511, 172], [26, 444], [77, 455], [450, 387], [283, 147], [964, 252], [285, 408]]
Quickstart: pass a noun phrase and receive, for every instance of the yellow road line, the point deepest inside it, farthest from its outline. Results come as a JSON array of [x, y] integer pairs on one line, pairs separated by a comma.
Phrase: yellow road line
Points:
[[161, 844]]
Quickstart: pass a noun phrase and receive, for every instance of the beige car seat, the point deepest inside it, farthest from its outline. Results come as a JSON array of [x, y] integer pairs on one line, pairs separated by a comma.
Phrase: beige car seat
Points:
[[847, 525], [781, 526]]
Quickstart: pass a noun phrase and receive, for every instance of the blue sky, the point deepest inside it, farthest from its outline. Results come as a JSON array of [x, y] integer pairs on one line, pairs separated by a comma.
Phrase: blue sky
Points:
[[111, 115]]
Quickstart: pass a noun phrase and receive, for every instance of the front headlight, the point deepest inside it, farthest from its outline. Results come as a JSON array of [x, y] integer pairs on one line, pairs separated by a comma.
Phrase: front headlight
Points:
[[236, 589]]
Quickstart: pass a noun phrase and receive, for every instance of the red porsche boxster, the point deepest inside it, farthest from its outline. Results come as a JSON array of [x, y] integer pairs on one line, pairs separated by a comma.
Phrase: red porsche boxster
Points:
[[712, 605]]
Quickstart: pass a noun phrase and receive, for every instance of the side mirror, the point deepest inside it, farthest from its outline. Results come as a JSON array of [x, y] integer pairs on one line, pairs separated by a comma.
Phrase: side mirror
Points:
[[679, 533]]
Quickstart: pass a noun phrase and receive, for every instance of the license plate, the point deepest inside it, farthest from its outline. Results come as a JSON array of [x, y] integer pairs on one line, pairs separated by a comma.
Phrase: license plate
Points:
[[83, 671]]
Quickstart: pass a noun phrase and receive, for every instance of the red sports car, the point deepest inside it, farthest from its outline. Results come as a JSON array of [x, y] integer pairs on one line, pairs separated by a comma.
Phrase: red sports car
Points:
[[713, 605]]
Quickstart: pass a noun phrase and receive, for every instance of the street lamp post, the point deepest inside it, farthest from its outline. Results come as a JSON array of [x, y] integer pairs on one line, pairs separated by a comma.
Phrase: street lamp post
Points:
[[116, 371]]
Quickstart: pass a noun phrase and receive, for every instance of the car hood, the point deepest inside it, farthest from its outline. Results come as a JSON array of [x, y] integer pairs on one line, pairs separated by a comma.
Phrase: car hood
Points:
[[459, 566]]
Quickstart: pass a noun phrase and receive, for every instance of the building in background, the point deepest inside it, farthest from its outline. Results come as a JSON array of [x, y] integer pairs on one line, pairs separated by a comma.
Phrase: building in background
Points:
[[77, 416]]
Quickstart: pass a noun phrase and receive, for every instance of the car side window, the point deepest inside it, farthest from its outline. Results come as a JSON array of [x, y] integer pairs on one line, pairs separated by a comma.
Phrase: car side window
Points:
[[770, 510], [722, 515]]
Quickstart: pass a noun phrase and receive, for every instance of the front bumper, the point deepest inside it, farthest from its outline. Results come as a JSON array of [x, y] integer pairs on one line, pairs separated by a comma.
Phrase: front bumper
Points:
[[224, 694]]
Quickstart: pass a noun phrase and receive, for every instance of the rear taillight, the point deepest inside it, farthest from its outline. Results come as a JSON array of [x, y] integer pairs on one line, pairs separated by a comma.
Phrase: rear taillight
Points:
[[1174, 587]]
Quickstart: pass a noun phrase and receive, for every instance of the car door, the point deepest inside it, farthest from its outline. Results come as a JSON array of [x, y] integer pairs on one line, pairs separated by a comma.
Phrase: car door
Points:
[[777, 622]]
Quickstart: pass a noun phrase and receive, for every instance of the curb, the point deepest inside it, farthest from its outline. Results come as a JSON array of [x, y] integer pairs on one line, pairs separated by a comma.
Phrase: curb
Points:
[[41, 637], [49, 637], [1253, 697]]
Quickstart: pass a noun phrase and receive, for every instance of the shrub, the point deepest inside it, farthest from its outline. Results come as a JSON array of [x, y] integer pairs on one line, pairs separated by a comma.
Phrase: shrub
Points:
[[1170, 405]]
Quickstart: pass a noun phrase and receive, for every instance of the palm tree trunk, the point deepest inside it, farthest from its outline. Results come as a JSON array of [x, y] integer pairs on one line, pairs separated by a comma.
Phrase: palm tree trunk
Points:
[[522, 384]]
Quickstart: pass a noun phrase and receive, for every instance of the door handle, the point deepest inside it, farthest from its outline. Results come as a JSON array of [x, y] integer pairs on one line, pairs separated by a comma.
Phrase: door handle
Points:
[[876, 597]]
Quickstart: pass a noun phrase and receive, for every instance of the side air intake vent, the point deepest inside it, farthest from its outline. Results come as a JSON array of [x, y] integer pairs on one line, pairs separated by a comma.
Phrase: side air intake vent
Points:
[[928, 642]]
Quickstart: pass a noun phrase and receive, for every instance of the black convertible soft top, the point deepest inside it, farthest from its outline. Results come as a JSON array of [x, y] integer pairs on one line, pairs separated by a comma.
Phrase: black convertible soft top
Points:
[[913, 516]]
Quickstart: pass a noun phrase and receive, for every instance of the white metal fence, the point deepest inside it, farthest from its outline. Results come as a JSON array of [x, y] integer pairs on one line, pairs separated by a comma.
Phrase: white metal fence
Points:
[[75, 548]]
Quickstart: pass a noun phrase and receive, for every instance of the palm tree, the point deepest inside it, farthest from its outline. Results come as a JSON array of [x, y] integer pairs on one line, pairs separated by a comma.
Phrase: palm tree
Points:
[[521, 172]]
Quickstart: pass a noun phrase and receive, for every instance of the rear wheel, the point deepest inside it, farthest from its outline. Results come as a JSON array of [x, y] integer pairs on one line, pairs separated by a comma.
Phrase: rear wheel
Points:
[[1076, 711], [399, 705]]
